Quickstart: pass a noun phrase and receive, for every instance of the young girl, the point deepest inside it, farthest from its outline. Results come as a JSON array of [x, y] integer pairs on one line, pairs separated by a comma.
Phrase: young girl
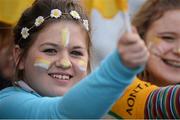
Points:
[[52, 58], [158, 24]]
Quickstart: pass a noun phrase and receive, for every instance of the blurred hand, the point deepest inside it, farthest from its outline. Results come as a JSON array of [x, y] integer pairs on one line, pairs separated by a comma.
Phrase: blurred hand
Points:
[[133, 50]]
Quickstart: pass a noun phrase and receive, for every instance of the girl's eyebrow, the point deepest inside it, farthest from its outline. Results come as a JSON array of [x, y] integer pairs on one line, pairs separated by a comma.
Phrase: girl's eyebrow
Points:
[[167, 33], [56, 45], [78, 47], [50, 44]]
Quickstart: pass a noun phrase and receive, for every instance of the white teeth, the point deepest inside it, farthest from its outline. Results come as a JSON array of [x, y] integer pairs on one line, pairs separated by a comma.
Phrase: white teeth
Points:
[[62, 77], [174, 63]]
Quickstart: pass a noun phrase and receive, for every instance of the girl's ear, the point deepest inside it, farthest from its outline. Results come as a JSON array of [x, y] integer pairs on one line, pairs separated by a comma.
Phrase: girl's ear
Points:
[[16, 55]]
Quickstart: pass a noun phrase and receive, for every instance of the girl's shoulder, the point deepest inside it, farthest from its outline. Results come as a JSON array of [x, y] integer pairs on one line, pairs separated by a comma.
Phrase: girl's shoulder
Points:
[[16, 92]]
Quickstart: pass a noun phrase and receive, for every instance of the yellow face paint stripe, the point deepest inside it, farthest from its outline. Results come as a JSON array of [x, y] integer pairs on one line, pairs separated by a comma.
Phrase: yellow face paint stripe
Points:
[[82, 65], [156, 40], [40, 62], [66, 63], [65, 37], [153, 42]]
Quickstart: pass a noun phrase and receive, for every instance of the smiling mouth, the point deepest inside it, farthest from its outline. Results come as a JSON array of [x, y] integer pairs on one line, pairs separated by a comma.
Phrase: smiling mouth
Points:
[[60, 76], [172, 63]]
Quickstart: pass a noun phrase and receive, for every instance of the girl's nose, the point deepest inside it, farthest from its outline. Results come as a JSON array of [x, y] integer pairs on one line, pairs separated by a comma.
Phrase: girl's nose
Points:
[[177, 51], [64, 63]]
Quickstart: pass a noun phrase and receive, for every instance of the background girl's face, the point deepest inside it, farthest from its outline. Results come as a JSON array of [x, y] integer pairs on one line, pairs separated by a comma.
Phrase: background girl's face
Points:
[[6, 62], [163, 40], [57, 60]]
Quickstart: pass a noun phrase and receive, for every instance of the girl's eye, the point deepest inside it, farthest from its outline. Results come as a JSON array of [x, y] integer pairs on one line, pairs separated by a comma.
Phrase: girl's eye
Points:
[[168, 38], [50, 51], [76, 53]]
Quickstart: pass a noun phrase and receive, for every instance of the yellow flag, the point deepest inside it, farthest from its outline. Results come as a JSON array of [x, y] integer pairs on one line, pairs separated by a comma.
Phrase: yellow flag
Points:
[[11, 10], [122, 5], [107, 8], [108, 23]]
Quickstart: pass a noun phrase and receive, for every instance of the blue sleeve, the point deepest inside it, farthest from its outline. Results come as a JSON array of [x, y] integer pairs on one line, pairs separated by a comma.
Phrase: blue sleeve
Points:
[[94, 95], [90, 98]]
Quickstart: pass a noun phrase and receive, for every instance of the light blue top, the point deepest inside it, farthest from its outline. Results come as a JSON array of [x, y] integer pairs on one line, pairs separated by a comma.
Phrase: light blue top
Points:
[[90, 98]]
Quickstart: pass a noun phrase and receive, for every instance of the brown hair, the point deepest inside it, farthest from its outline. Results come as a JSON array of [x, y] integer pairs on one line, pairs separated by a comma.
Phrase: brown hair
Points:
[[5, 35], [151, 11], [43, 8], [6, 43]]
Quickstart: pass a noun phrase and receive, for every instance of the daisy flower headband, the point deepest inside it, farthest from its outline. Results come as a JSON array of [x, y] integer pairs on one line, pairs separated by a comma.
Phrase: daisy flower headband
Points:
[[55, 13]]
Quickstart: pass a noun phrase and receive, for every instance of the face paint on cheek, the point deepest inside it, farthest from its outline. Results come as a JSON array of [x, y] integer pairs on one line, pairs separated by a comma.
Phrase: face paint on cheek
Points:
[[42, 63], [156, 40], [159, 47], [153, 45], [82, 65], [65, 37]]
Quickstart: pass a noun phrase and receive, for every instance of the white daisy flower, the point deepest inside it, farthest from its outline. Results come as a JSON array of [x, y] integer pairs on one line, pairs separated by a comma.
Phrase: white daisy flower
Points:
[[25, 32], [86, 24], [75, 14], [55, 13], [39, 20]]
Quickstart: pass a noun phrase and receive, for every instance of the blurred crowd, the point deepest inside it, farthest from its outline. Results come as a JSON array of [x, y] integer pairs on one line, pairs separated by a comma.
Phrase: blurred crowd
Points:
[[10, 11]]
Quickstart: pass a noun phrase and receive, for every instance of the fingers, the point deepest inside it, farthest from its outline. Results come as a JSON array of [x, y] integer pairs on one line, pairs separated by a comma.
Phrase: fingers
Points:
[[134, 30], [134, 59], [133, 50], [129, 38]]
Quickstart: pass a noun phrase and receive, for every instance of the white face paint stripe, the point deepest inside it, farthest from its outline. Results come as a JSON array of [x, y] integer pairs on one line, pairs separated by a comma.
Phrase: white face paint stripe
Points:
[[82, 68], [65, 37], [82, 65], [42, 63]]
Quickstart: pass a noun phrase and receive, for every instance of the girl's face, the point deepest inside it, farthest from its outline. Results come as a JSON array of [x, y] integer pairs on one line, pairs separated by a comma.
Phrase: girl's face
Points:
[[163, 40], [57, 60]]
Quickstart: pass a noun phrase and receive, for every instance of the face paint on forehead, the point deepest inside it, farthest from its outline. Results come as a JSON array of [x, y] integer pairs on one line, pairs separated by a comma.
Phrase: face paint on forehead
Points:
[[82, 65], [42, 63], [65, 37]]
